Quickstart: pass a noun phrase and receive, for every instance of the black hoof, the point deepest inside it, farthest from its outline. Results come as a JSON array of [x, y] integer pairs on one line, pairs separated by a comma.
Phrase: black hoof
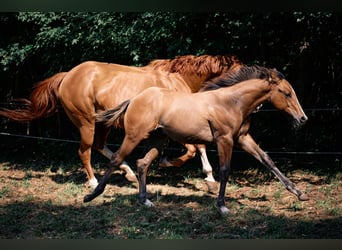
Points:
[[88, 198]]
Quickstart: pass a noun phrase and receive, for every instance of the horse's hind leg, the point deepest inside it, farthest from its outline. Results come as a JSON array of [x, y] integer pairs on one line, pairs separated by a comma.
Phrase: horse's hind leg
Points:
[[247, 143], [100, 138], [84, 152]]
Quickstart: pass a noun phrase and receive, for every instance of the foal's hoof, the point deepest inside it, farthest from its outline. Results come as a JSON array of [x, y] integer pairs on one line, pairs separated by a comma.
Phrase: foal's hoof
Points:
[[303, 197], [148, 203], [88, 197], [212, 186], [223, 210]]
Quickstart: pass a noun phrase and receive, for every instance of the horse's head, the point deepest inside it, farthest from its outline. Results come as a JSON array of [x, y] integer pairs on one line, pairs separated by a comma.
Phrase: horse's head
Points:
[[284, 98]]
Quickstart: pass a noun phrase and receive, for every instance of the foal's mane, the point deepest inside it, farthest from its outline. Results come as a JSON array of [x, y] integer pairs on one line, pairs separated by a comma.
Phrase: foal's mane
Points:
[[200, 65], [243, 74]]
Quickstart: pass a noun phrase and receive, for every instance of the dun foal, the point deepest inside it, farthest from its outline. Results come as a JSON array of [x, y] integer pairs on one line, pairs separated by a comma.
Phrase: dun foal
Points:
[[212, 116]]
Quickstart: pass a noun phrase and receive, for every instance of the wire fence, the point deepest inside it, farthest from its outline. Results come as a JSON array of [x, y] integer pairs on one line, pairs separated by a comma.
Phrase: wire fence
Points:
[[174, 148]]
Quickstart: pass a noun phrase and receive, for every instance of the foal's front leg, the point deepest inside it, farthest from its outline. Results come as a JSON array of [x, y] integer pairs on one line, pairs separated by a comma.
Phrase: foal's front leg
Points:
[[247, 143], [225, 148]]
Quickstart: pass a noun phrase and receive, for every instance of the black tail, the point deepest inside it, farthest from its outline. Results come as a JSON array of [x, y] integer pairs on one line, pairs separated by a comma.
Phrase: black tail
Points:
[[112, 117]]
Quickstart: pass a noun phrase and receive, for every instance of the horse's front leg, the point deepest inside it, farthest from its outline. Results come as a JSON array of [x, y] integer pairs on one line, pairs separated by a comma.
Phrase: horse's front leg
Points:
[[247, 143], [191, 153], [225, 148], [207, 169], [179, 161]]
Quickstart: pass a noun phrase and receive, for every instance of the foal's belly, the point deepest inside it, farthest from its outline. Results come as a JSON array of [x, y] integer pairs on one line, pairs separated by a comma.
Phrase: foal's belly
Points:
[[194, 136]]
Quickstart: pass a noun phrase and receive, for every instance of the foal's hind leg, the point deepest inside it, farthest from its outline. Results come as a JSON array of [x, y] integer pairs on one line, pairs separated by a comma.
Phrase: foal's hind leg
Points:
[[155, 146], [118, 157], [100, 138], [247, 143]]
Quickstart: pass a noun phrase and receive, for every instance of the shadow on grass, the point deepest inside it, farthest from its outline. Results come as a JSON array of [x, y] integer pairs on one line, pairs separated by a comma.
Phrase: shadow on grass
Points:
[[171, 218]]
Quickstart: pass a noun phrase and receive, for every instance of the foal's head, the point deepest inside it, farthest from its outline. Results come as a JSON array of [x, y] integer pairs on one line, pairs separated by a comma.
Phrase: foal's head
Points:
[[282, 95], [284, 98]]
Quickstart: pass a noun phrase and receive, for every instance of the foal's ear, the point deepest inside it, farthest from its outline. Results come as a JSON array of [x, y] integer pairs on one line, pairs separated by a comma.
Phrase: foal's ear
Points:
[[274, 76], [268, 77]]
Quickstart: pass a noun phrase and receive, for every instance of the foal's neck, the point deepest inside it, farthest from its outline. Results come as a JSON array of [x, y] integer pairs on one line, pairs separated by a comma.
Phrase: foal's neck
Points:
[[247, 96]]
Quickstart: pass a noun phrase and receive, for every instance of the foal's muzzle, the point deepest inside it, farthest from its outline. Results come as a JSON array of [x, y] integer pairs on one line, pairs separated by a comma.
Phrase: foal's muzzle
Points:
[[297, 123]]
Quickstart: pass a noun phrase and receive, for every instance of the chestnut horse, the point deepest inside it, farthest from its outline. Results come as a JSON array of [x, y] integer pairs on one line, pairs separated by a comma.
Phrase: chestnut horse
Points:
[[212, 116], [92, 86]]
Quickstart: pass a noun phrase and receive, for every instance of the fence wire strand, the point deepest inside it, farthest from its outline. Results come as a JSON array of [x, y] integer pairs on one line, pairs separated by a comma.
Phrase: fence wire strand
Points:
[[173, 148]]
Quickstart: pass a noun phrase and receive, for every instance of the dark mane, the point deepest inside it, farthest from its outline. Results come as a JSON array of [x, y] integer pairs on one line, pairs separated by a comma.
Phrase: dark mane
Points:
[[243, 74], [196, 64]]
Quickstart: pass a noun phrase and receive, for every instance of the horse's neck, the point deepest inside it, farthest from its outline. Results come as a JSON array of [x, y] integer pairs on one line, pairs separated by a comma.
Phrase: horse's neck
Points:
[[195, 81]]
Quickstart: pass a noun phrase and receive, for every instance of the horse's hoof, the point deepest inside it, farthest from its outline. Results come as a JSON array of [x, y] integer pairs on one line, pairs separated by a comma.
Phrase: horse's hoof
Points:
[[131, 177], [212, 186], [92, 183], [303, 197], [223, 210]]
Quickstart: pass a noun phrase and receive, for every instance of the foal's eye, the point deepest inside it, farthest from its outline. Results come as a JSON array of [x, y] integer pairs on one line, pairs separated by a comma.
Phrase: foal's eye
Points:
[[287, 94]]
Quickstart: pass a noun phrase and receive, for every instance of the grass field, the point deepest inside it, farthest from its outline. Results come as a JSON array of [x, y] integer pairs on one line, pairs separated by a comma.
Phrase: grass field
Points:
[[41, 197]]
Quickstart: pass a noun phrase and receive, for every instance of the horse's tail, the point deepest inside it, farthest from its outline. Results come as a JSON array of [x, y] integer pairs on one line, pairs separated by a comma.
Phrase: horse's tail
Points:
[[113, 116], [42, 102]]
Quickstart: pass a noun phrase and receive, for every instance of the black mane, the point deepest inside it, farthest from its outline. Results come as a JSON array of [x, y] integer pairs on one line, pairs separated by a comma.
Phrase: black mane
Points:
[[243, 74]]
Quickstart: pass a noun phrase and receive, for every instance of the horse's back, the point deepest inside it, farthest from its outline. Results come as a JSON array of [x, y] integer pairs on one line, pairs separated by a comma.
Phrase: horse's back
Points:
[[106, 85]]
